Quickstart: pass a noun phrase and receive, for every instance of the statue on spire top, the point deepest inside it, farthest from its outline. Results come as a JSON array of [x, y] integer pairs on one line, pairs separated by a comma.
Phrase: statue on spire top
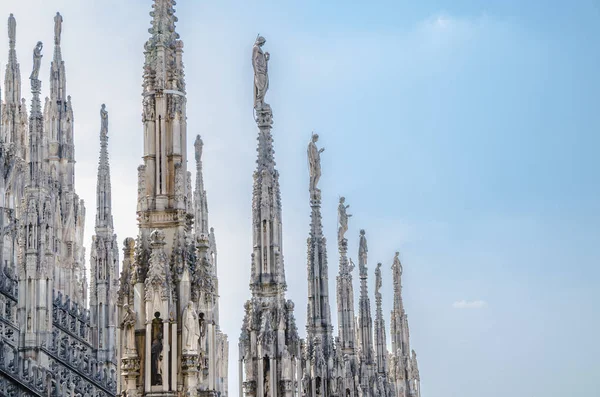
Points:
[[57, 28], [104, 118], [314, 163], [342, 219], [12, 29], [37, 60], [260, 62]]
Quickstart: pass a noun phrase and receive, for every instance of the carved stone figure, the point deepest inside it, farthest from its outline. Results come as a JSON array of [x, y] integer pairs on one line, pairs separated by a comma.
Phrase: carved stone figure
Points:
[[378, 281], [314, 163], [156, 360], [260, 63], [104, 118], [37, 60], [128, 325], [191, 329], [12, 29], [351, 266], [342, 219], [397, 267], [362, 253], [57, 28]]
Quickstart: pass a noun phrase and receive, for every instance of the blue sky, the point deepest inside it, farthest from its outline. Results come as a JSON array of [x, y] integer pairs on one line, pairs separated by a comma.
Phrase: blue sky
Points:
[[463, 134]]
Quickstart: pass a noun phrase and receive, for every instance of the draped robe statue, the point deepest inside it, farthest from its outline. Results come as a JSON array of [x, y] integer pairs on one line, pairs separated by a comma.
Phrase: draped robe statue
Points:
[[104, 118], [314, 162], [261, 76], [37, 60], [129, 326], [191, 329], [362, 253]]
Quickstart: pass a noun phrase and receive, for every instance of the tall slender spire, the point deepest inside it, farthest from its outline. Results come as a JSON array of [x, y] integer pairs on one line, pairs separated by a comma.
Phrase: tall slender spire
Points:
[[365, 321], [403, 367], [318, 320], [345, 289], [269, 344], [104, 261], [380, 339], [104, 219], [36, 125], [200, 202], [268, 269], [14, 114]]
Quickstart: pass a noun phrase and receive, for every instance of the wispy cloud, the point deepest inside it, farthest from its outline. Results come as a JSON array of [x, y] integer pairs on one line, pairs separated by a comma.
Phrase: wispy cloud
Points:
[[464, 304]]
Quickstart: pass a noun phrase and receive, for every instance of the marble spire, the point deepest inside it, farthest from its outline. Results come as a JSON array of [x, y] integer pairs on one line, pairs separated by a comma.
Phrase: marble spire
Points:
[[365, 321], [269, 345], [403, 369], [319, 329], [14, 112], [380, 338], [104, 261], [104, 218], [200, 201]]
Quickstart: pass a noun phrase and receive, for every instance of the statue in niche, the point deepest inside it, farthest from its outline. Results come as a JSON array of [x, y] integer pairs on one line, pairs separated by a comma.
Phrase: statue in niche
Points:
[[343, 218], [37, 60], [12, 28], [314, 162], [57, 28], [362, 253], [191, 329], [260, 62], [104, 118], [201, 325], [128, 325], [267, 377], [156, 360]]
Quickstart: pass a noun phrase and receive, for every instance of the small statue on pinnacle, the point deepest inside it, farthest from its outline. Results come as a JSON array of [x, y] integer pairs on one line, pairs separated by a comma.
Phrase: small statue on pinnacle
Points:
[[37, 60], [260, 61]]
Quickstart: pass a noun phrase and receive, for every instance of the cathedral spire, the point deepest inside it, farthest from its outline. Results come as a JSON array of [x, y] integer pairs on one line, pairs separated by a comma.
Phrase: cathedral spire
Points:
[[36, 126], [14, 113], [345, 289], [200, 202], [268, 269], [104, 219], [318, 311], [380, 339], [365, 321]]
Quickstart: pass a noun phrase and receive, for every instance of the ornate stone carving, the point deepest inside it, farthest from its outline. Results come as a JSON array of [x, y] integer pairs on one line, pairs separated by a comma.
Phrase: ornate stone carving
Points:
[[191, 330], [342, 219], [57, 28]]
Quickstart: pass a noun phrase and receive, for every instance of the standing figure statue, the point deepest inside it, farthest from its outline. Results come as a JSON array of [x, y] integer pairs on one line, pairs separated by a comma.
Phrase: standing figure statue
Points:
[[57, 28], [37, 60], [362, 253], [128, 326], [260, 62], [342, 219], [314, 163], [378, 281], [104, 118], [156, 360], [397, 268], [191, 329], [12, 29]]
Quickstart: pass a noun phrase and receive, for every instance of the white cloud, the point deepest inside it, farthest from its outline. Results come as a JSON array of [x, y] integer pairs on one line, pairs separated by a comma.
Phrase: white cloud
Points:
[[463, 304]]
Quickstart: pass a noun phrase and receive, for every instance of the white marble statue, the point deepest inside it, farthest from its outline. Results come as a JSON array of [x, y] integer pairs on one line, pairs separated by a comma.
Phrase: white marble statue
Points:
[[37, 60], [104, 118], [191, 329], [362, 253], [57, 28], [378, 281], [128, 326], [260, 61], [12, 28], [343, 218], [314, 162]]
